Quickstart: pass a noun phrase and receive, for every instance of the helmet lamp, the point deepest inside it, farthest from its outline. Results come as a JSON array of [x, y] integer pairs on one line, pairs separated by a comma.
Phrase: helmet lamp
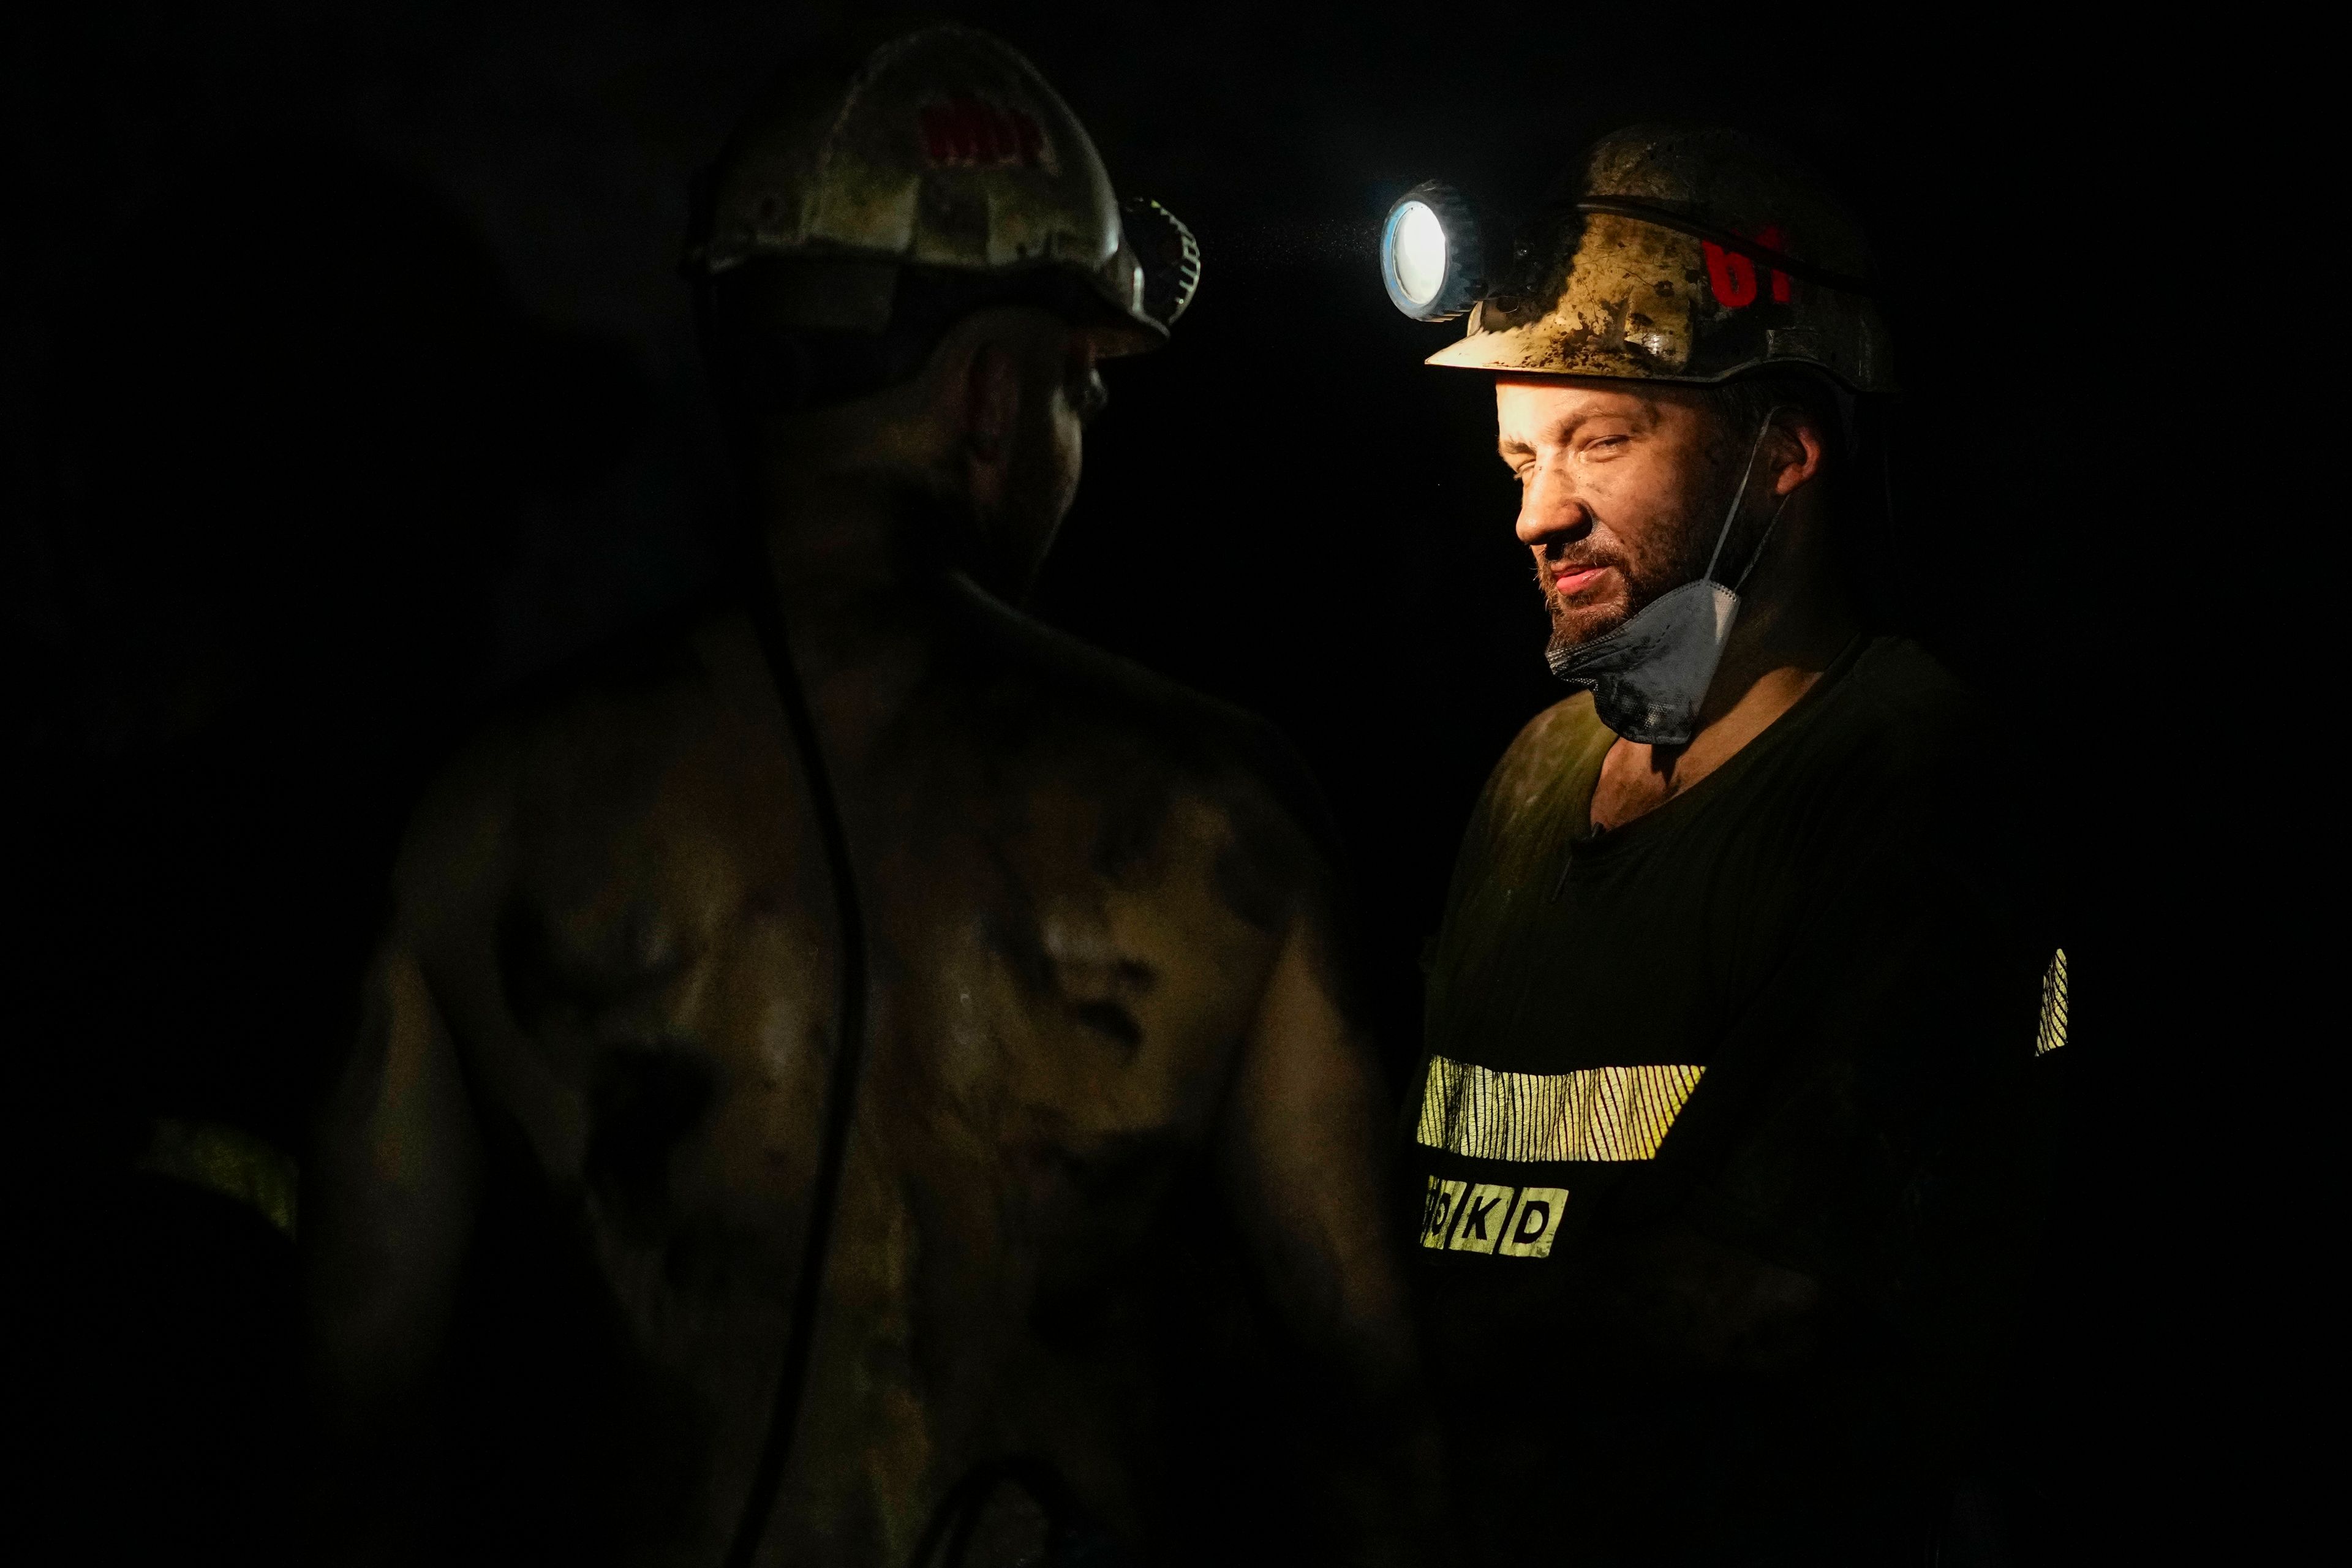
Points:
[[1170, 256], [1431, 259]]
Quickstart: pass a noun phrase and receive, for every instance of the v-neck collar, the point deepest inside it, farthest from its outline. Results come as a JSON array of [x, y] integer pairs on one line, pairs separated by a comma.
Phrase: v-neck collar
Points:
[[1586, 846]]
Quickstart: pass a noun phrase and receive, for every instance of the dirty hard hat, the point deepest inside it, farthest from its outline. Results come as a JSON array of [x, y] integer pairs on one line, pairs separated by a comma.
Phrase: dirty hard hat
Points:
[[943, 154], [1689, 255]]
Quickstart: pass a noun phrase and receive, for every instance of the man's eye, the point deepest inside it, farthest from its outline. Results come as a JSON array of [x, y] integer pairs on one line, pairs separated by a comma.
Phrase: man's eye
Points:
[[1604, 446]]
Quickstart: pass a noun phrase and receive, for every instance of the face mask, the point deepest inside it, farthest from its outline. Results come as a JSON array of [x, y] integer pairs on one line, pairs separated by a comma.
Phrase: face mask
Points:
[[1649, 676]]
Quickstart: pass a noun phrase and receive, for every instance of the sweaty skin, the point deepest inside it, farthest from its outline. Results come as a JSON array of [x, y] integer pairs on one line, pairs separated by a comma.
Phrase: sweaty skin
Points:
[[1103, 986]]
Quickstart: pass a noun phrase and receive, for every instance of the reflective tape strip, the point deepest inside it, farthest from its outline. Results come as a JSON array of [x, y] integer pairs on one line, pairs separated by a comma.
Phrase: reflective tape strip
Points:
[[1592, 1113], [2051, 1033]]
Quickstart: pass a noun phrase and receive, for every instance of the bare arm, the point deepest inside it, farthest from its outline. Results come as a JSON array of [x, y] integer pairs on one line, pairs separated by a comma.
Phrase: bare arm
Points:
[[387, 1213], [1302, 1158]]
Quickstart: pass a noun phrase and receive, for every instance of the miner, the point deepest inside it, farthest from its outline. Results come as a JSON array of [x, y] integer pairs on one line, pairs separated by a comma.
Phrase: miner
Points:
[[1722, 1136], [804, 1038]]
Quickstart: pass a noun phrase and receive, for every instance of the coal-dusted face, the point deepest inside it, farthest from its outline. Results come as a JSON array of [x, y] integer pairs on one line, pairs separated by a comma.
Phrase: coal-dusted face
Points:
[[1060, 394], [1028, 390], [1622, 489]]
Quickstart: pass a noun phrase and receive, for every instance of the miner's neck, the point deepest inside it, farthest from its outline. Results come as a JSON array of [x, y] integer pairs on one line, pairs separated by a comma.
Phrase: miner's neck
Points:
[[860, 598], [836, 546], [1793, 620]]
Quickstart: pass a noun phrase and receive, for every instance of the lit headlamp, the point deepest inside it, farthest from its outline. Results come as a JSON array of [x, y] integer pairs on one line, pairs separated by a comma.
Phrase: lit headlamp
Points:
[[1429, 256]]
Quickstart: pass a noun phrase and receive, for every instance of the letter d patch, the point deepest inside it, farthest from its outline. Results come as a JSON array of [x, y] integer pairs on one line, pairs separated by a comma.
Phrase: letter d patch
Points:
[[1533, 1222]]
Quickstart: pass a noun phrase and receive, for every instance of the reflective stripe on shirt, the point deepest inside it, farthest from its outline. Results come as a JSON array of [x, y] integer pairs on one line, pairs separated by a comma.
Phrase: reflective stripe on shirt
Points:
[[2052, 1032], [1592, 1113]]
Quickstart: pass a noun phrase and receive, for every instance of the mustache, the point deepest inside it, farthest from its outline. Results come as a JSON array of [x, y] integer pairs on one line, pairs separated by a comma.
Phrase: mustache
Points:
[[1547, 567]]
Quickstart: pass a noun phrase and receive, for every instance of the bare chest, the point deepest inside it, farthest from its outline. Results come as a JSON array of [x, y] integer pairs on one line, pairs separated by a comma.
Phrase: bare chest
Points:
[[1053, 997]]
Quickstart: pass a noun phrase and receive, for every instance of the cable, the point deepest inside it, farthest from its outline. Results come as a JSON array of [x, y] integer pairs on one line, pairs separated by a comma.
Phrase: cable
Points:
[[849, 1060], [957, 1516], [947, 1539]]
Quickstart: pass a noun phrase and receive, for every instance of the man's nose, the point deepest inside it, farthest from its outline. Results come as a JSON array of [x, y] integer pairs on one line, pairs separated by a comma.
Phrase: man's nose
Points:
[[1550, 512]]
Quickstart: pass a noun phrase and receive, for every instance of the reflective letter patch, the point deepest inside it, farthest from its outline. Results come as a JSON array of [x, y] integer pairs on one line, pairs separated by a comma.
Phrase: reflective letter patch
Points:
[[1437, 1211], [1481, 1222], [1516, 1222], [1534, 1223]]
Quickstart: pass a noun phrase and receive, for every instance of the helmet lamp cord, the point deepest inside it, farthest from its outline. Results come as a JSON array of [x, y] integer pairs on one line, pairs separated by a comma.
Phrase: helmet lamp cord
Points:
[[850, 1036]]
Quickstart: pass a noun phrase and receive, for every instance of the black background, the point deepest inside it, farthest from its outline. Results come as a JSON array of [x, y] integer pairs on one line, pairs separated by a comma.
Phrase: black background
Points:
[[349, 379]]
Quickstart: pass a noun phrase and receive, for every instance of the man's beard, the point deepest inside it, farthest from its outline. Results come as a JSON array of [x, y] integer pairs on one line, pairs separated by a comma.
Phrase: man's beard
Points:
[[1694, 537], [1572, 628]]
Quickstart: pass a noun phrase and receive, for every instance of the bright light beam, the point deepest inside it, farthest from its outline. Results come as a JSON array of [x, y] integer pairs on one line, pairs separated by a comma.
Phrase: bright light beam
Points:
[[1420, 255]]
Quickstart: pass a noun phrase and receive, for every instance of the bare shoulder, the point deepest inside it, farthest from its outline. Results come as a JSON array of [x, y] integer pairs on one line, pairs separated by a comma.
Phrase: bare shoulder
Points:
[[594, 753], [1130, 736]]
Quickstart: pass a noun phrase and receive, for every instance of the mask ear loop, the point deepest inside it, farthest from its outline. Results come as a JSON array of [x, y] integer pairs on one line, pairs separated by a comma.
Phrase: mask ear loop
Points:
[[1761, 543], [1746, 472]]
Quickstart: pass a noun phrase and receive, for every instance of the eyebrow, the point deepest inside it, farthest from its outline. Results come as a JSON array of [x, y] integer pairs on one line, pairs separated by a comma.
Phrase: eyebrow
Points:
[[1642, 416]]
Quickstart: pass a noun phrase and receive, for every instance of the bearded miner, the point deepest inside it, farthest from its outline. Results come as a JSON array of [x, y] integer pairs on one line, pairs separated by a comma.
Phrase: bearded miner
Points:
[[1723, 1131]]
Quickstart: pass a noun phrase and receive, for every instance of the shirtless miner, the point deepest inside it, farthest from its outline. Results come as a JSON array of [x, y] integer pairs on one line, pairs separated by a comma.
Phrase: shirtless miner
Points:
[[1046, 933]]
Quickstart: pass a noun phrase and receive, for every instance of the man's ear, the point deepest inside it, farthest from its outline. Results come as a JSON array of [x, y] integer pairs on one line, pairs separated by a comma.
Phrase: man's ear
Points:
[[1797, 449]]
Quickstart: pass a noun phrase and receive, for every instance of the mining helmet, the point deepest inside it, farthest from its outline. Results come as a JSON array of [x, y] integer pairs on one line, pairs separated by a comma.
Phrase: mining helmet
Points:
[[945, 149], [1669, 254]]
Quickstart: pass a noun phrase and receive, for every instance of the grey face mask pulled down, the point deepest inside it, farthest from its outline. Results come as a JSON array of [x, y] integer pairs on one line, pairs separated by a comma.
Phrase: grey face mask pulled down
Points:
[[1649, 676]]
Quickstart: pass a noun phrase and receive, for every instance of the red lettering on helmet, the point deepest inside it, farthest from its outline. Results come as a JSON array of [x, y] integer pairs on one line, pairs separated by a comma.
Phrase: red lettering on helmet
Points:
[[1030, 136], [1768, 237], [955, 132], [1731, 275], [942, 136], [972, 131]]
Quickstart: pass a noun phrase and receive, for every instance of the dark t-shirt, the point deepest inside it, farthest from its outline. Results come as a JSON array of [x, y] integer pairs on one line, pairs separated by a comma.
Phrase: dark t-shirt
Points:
[[1787, 1019]]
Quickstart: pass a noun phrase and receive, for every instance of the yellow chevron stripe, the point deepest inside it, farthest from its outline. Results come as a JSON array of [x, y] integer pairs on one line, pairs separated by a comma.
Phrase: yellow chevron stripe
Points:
[[2052, 1032], [1592, 1113]]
